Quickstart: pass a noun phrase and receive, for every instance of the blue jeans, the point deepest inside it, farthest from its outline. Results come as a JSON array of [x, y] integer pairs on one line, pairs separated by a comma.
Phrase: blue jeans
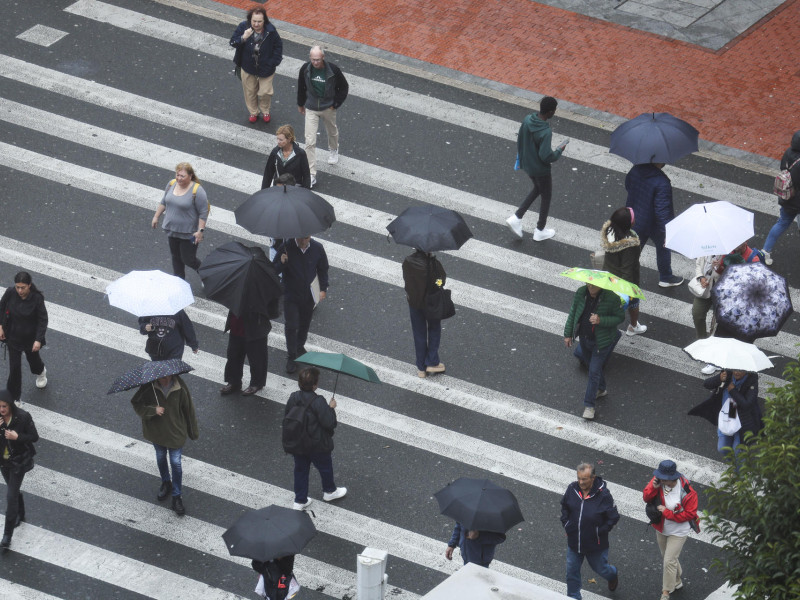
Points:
[[595, 363], [787, 216], [427, 335], [728, 441], [175, 462], [663, 254], [302, 465], [597, 560]]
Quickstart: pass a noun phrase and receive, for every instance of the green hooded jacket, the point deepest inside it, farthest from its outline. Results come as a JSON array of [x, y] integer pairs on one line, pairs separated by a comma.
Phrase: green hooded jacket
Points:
[[533, 146], [179, 419], [609, 309]]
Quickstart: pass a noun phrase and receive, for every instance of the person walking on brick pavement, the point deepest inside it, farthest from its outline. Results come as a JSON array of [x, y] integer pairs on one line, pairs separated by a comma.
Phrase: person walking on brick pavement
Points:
[[321, 90], [790, 207], [300, 261], [593, 318], [535, 154], [259, 51], [588, 514], [650, 197]]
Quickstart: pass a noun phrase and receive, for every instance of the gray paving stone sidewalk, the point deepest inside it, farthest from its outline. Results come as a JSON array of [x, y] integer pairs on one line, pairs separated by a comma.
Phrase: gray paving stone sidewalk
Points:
[[708, 23]]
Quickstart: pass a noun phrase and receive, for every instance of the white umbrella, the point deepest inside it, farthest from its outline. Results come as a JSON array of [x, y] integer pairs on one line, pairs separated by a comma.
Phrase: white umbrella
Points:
[[729, 353], [710, 228], [146, 293]]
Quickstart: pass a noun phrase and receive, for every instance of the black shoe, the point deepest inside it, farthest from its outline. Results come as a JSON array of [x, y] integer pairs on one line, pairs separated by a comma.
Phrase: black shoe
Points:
[[612, 585], [177, 506], [6, 541], [252, 390], [291, 366], [230, 389], [164, 490]]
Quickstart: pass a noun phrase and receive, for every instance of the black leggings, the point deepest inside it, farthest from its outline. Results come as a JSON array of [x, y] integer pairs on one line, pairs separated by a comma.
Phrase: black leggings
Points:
[[15, 351], [14, 504], [184, 254]]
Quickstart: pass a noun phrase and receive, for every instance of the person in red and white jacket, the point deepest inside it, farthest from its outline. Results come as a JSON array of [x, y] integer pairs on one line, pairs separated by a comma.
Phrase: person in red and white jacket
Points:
[[676, 500]]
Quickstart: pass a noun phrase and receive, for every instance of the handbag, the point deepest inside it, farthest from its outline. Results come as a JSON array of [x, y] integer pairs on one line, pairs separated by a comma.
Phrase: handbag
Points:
[[697, 290], [728, 421], [438, 302]]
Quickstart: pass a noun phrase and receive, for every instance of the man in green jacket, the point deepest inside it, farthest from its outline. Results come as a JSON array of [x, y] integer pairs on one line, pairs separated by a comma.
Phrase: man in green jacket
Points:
[[534, 155], [593, 318]]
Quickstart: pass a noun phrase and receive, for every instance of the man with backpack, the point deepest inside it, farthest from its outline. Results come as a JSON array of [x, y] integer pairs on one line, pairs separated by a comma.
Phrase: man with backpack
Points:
[[788, 196], [308, 425]]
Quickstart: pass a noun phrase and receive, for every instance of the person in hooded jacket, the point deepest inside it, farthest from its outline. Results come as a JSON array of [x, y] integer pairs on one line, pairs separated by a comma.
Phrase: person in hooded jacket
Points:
[[535, 155], [677, 502], [588, 514], [622, 250], [167, 335], [790, 208], [286, 157], [476, 546]]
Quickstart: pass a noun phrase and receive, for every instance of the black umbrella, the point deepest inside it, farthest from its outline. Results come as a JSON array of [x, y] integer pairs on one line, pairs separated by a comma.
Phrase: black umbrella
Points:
[[269, 533], [285, 212], [479, 504], [149, 371], [654, 137], [430, 228], [240, 278]]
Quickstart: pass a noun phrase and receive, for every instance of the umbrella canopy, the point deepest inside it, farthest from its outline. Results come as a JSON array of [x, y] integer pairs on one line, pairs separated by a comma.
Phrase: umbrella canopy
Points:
[[149, 371], [479, 504], [707, 229], [339, 363], [430, 228], [240, 278], [144, 293], [729, 353], [654, 137], [269, 533], [285, 212], [750, 301], [605, 280]]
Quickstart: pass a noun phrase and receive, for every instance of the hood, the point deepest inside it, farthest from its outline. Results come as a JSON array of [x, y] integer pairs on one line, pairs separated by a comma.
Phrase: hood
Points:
[[796, 141], [534, 124], [611, 245], [598, 486]]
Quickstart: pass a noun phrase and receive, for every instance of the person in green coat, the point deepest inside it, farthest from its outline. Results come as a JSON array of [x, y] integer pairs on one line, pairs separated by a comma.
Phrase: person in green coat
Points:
[[593, 319], [168, 418]]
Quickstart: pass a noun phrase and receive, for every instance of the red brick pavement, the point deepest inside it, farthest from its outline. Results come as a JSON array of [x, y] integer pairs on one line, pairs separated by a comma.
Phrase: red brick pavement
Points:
[[745, 95]]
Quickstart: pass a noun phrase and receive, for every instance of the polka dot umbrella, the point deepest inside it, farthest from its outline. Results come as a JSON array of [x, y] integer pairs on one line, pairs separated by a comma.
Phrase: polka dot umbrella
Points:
[[148, 372]]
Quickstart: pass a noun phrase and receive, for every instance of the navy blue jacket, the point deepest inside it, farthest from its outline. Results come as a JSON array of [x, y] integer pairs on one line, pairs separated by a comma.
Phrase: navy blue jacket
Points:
[[587, 521], [300, 270], [270, 54], [650, 197], [479, 551], [170, 334]]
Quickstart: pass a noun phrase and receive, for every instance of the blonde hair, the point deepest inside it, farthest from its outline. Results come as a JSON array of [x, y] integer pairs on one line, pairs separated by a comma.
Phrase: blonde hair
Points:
[[286, 131], [185, 166]]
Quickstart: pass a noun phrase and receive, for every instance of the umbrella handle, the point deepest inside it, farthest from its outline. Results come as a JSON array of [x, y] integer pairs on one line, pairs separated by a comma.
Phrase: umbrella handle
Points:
[[154, 393], [335, 383]]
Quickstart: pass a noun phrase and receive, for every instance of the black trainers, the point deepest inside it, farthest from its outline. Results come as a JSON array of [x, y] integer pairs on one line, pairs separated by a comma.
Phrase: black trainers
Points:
[[164, 490], [177, 506], [6, 541], [291, 366]]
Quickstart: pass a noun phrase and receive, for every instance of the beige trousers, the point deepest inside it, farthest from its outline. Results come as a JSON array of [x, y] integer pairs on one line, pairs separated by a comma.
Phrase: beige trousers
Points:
[[670, 546], [257, 92], [313, 117]]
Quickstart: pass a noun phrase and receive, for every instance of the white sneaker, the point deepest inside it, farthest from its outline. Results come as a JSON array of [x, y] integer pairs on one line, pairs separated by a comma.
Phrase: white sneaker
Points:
[[335, 495], [588, 413], [767, 258], [333, 157], [41, 379], [515, 224], [709, 369], [298, 506], [313, 180], [541, 235], [636, 330]]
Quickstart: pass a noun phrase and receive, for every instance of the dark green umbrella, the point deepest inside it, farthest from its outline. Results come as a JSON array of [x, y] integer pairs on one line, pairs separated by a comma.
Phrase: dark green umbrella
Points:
[[339, 363]]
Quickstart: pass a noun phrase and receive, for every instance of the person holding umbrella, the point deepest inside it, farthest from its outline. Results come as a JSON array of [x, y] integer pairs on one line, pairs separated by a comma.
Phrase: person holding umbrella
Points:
[[167, 335], [248, 338], [622, 250], [476, 546], [421, 272], [168, 418]]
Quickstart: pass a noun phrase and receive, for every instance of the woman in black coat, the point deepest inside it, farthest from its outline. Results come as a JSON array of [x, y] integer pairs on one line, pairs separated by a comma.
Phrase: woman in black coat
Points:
[[23, 324], [287, 157], [622, 250], [17, 436]]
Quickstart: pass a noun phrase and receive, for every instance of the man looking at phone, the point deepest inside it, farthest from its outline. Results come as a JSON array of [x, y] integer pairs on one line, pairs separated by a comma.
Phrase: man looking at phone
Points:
[[534, 156]]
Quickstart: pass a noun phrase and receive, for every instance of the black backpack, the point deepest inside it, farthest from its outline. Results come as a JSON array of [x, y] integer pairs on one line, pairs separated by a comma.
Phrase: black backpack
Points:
[[294, 432]]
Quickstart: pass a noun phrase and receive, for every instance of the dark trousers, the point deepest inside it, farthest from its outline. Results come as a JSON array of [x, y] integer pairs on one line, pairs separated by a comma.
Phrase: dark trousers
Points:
[[297, 317], [663, 254], [14, 504], [427, 336], [541, 186], [14, 384], [184, 254], [256, 353], [302, 466]]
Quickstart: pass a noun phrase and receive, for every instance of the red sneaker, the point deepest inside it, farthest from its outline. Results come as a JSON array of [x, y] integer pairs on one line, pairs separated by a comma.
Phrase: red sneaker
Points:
[[253, 118], [266, 119]]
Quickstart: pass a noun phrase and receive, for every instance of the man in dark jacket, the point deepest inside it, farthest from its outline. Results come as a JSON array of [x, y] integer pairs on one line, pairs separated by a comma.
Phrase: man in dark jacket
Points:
[[248, 338], [535, 155], [321, 90], [650, 197], [588, 513], [593, 318], [476, 546], [790, 207], [300, 261]]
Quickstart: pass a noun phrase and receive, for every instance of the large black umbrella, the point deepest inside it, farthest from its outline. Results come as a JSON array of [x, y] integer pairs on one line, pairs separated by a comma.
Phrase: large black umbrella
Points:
[[479, 504], [149, 371], [285, 212], [654, 137], [269, 533], [430, 228], [240, 278]]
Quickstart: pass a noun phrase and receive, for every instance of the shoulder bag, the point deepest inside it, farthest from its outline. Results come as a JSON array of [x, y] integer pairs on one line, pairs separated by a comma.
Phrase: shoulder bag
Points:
[[438, 303]]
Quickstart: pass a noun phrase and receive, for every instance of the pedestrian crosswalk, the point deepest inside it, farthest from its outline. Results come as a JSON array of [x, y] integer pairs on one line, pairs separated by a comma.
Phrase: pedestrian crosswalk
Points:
[[397, 442]]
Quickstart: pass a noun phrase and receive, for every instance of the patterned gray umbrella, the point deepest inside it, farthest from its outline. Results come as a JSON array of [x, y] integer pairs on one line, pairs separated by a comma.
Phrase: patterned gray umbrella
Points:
[[149, 371]]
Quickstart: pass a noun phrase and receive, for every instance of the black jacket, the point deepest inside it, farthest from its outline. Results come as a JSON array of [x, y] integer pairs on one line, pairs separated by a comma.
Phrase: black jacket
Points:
[[21, 450], [746, 401], [297, 166], [23, 321], [791, 155], [300, 270], [257, 326], [321, 419], [170, 334], [420, 272], [336, 88], [587, 521]]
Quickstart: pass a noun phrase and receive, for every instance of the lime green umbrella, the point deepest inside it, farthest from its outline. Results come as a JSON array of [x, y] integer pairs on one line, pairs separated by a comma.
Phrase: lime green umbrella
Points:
[[605, 280], [339, 363]]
